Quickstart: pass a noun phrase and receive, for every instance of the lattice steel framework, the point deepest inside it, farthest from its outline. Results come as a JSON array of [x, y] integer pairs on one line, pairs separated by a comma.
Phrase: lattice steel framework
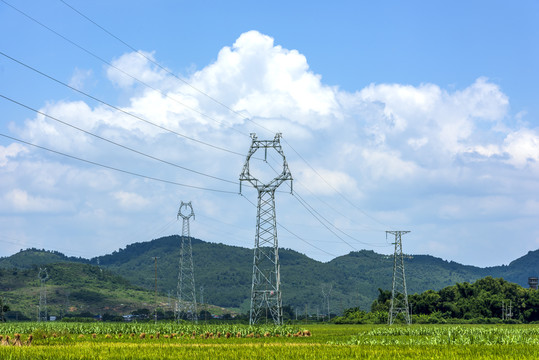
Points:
[[187, 303], [266, 282], [399, 295], [43, 276]]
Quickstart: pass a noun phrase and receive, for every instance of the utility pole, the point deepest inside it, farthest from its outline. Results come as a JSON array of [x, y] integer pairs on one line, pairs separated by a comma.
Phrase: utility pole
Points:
[[155, 295], [186, 291], [509, 311], [66, 293], [266, 280], [201, 295], [399, 294], [43, 276], [203, 303]]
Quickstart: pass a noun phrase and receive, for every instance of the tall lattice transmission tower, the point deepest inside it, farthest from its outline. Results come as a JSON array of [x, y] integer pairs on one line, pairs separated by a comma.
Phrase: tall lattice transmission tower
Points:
[[399, 295], [187, 303], [266, 281], [42, 276]]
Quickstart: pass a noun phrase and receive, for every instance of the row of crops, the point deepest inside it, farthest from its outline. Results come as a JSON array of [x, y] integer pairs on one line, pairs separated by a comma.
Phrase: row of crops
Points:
[[55, 330], [448, 335], [67, 341]]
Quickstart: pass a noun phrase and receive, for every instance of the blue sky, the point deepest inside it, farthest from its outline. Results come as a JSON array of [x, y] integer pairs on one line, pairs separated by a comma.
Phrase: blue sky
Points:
[[419, 116]]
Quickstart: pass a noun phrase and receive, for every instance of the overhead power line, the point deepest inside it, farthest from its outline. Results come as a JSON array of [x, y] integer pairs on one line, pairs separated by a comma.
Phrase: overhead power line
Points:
[[154, 62], [333, 188], [319, 218], [327, 224], [115, 143], [119, 109], [166, 70], [116, 68], [365, 228], [294, 234], [117, 169], [240, 115], [324, 221]]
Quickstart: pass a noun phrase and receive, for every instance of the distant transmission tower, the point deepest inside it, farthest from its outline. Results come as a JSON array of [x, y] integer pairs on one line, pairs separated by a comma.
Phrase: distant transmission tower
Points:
[[266, 283], [399, 294], [42, 276], [326, 293], [187, 302]]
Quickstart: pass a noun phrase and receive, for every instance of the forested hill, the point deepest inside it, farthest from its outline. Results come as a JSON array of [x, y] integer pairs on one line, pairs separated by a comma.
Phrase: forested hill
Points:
[[29, 258], [224, 273], [520, 269], [69, 288]]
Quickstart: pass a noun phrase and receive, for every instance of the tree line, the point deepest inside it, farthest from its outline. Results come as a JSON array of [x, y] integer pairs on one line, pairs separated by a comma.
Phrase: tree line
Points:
[[487, 300]]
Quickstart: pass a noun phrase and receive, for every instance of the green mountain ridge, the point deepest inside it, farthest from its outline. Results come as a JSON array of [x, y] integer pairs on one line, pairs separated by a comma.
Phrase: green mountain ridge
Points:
[[223, 273]]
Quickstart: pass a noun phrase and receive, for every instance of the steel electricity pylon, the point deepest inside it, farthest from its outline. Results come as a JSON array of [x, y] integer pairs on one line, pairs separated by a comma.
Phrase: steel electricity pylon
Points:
[[399, 295], [266, 281], [187, 303], [43, 276]]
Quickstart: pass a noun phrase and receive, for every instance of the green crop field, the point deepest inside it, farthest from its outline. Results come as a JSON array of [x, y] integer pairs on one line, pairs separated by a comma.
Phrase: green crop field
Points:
[[230, 341]]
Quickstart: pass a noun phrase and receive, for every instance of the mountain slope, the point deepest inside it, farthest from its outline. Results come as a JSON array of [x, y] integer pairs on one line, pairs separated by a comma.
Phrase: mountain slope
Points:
[[520, 269], [223, 273], [71, 288], [26, 259]]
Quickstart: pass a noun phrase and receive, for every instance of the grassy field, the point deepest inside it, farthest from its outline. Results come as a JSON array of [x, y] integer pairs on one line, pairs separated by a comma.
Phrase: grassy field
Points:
[[173, 341]]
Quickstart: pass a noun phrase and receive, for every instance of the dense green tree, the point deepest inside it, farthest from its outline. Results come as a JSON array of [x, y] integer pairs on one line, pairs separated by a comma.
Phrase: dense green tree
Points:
[[205, 315], [144, 313], [486, 298], [382, 302], [112, 317], [4, 308], [288, 312]]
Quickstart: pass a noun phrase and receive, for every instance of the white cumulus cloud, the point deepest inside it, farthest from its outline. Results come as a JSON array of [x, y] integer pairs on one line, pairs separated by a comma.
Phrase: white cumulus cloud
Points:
[[130, 201], [10, 151], [267, 81], [324, 181], [18, 200], [80, 77], [133, 68], [411, 155], [522, 146]]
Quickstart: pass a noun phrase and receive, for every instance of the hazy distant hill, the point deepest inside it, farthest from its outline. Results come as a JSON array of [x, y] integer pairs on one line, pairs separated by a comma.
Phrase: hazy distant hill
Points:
[[224, 272]]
